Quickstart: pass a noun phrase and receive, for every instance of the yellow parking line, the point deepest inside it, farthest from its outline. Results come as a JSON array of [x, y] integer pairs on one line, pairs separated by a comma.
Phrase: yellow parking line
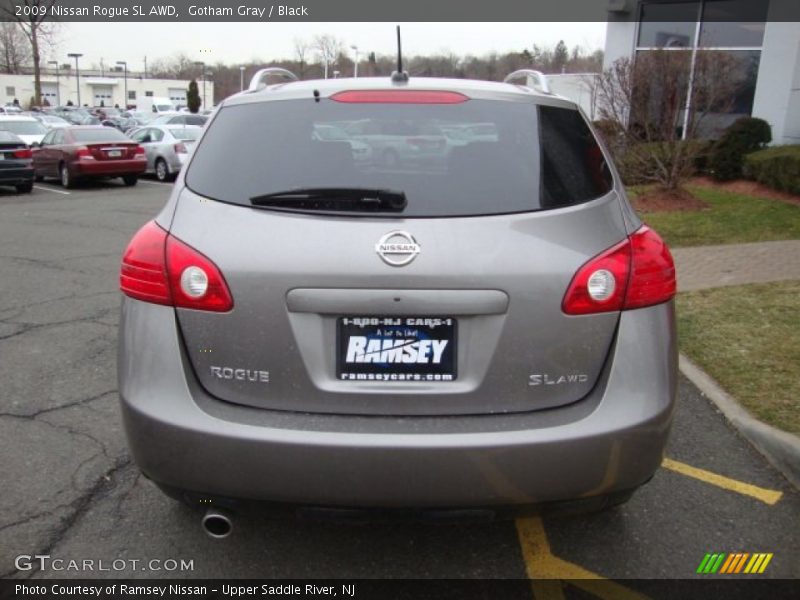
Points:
[[545, 570], [764, 495]]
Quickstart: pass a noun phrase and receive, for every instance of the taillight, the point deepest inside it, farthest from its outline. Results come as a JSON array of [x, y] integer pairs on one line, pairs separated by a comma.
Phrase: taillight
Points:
[[143, 274], [652, 271], [180, 148], [159, 268], [195, 281], [83, 153], [635, 273], [400, 97], [139, 151], [23, 153]]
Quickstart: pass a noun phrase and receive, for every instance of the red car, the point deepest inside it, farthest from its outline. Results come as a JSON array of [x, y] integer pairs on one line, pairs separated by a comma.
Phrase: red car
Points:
[[74, 153]]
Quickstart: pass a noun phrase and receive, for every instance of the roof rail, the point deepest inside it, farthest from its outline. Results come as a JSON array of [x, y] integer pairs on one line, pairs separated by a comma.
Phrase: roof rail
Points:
[[259, 80], [539, 79]]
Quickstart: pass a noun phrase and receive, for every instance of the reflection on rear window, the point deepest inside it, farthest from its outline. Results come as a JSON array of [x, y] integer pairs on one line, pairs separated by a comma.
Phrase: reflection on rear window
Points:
[[473, 158], [185, 133], [106, 134]]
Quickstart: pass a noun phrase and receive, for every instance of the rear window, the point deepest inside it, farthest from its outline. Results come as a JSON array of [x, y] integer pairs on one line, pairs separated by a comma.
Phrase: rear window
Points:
[[185, 133], [478, 157], [107, 134]]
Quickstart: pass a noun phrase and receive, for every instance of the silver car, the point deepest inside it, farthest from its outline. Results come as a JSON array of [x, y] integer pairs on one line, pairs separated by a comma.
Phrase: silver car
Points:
[[166, 147], [301, 328]]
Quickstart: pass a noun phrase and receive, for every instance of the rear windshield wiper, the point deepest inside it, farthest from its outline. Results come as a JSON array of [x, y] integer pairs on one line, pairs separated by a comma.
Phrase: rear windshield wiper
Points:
[[334, 199]]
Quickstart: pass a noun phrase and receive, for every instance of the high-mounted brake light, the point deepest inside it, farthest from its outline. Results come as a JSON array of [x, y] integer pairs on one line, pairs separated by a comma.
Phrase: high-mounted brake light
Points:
[[637, 272], [400, 97], [159, 268]]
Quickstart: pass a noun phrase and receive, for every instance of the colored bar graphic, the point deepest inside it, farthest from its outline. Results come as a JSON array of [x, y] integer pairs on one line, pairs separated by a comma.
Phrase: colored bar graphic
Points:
[[718, 563], [741, 562], [703, 563], [753, 562], [734, 563], [727, 564], [765, 563]]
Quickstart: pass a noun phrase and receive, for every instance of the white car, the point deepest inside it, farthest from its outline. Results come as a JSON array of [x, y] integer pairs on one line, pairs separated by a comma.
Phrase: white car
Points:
[[51, 121], [27, 128]]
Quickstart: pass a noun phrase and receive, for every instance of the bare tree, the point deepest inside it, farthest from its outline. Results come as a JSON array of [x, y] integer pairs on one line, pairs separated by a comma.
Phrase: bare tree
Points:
[[15, 52], [39, 32], [302, 49], [647, 122], [328, 48], [178, 66]]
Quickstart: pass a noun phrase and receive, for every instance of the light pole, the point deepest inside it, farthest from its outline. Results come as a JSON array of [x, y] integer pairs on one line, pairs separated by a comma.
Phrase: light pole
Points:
[[124, 64], [355, 64], [76, 56], [241, 79], [58, 81], [202, 66]]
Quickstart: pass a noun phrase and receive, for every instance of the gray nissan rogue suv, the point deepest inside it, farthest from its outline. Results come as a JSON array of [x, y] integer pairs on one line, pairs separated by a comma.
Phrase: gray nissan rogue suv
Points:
[[469, 315]]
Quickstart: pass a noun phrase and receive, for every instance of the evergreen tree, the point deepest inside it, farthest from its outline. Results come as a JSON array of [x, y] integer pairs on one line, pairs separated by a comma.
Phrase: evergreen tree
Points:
[[193, 97]]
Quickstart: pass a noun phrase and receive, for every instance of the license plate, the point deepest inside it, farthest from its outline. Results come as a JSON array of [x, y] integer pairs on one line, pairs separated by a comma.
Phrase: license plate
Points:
[[407, 349], [114, 153]]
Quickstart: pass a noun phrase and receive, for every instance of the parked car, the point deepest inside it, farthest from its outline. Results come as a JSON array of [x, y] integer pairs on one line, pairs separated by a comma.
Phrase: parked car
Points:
[[491, 337], [156, 105], [332, 133], [15, 163], [166, 147], [10, 109], [180, 119], [76, 115], [50, 121], [27, 128], [138, 117], [402, 143], [82, 152]]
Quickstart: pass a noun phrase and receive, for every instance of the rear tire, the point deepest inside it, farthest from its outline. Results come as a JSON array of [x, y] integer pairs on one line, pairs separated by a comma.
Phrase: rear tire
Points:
[[38, 178], [162, 170], [25, 188], [130, 180], [66, 177]]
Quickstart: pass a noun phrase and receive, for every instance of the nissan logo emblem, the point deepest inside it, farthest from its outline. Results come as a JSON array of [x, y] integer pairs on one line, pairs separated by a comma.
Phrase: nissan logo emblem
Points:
[[397, 248]]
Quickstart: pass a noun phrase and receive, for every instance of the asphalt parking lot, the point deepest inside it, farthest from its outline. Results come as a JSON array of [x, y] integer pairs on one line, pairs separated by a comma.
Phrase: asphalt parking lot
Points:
[[70, 491]]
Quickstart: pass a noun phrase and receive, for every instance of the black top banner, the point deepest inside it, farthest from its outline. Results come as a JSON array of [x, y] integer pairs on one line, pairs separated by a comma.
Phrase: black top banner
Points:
[[400, 11]]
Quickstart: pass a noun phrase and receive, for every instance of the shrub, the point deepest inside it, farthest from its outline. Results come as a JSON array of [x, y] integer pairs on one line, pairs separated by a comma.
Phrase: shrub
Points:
[[746, 135], [651, 162], [777, 167]]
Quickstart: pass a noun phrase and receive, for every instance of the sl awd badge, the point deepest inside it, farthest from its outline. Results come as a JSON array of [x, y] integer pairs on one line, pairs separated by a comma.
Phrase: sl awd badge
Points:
[[397, 248]]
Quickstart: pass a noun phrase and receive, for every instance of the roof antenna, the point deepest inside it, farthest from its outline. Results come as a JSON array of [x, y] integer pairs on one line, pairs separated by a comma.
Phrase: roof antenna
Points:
[[399, 75]]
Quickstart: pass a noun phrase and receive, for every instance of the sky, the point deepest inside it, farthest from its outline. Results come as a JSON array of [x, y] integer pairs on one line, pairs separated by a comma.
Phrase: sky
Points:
[[234, 43]]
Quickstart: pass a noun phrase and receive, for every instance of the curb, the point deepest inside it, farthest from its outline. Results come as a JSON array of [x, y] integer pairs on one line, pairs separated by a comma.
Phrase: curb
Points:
[[781, 449]]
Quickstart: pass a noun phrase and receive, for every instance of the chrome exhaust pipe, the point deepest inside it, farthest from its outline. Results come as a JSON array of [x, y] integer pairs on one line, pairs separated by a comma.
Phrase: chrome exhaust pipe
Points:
[[217, 523]]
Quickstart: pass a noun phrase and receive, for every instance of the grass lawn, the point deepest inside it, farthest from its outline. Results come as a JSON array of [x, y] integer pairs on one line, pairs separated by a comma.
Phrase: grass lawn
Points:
[[748, 339], [730, 219]]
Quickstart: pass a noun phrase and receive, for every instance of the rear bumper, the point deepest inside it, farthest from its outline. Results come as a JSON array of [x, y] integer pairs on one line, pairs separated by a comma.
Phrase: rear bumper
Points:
[[109, 168], [16, 176], [610, 442]]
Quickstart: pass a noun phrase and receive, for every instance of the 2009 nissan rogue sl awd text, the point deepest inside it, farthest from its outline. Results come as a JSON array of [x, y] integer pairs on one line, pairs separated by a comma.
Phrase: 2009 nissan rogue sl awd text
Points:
[[474, 318]]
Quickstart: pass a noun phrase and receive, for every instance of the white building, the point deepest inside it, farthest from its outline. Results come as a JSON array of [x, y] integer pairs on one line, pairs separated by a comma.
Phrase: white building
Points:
[[768, 50], [108, 88]]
